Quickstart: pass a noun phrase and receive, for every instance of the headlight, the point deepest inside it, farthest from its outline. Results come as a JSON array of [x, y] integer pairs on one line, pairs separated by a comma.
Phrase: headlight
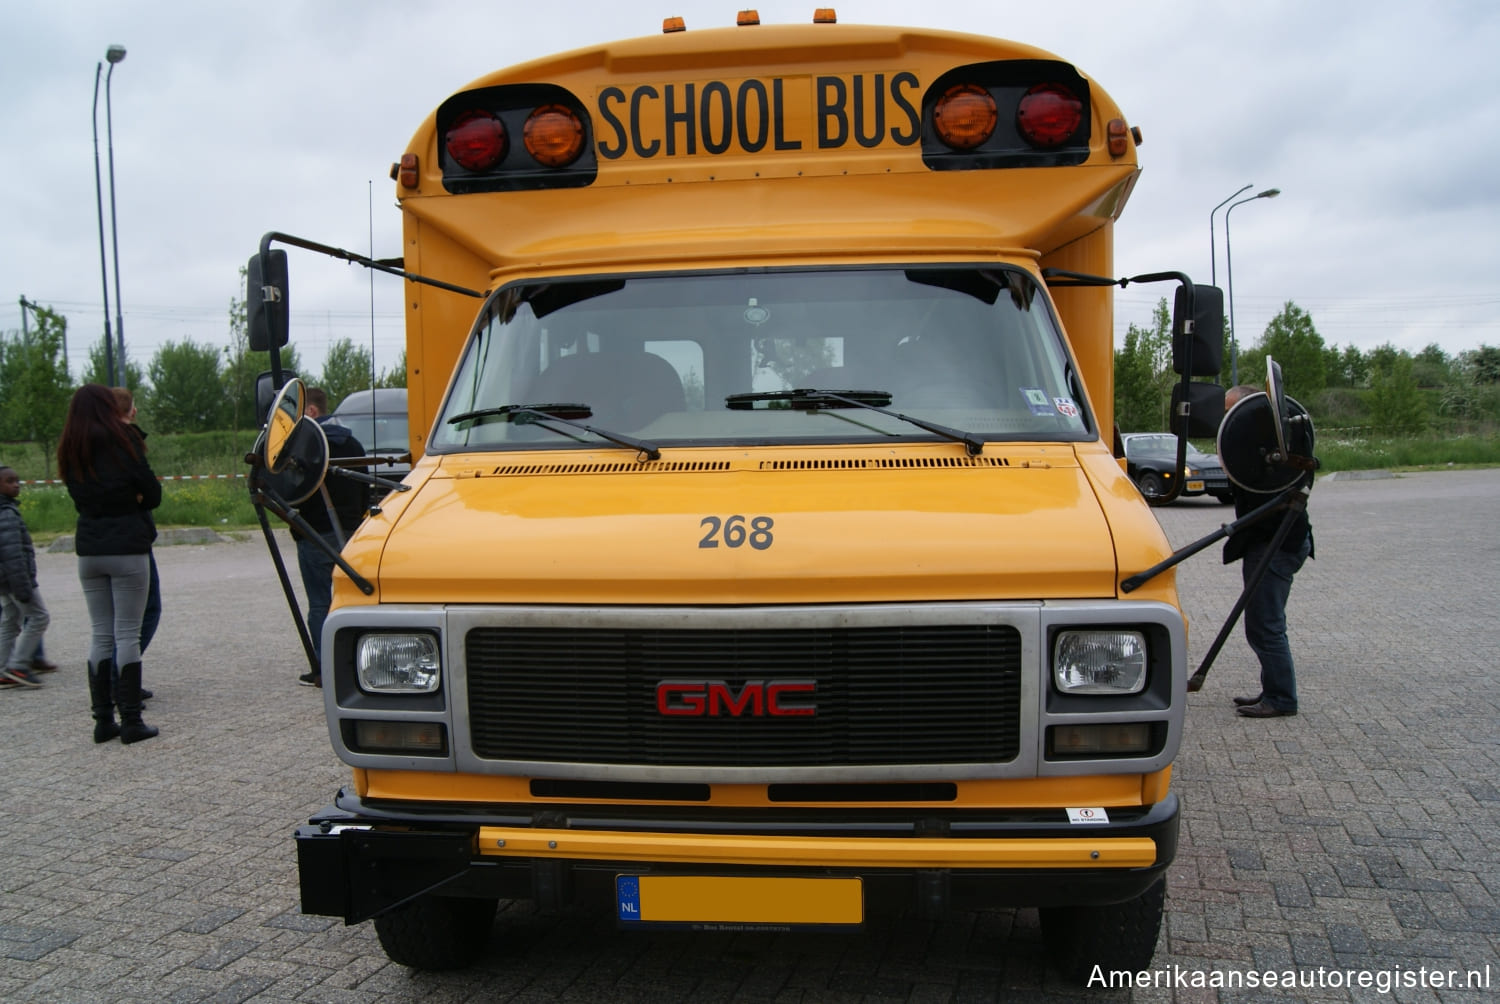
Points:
[[398, 663], [1190, 472], [1099, 662]]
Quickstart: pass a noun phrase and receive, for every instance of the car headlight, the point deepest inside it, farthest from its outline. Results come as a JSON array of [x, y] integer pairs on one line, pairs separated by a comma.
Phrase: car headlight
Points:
[[1190, 472], [1099, 662], [390, 663]]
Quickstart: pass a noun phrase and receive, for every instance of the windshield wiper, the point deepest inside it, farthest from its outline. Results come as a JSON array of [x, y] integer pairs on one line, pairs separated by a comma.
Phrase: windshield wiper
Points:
[[874, 400], [564, 414]]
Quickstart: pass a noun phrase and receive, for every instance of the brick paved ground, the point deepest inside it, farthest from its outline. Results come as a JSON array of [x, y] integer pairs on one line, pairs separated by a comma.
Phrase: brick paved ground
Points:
[[1364, 833]]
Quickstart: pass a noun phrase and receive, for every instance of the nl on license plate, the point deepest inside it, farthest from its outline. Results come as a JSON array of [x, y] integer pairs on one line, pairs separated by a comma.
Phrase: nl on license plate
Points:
[[1195, 486], [738, 902]]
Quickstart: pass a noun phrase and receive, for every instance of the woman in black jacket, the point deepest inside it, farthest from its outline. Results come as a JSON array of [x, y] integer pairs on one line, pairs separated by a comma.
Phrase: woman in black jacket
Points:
[[114, 491]]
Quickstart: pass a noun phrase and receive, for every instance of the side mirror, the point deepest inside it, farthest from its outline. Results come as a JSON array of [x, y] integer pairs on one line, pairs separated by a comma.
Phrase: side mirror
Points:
[[266, 300], [1205, 410], [1205, 306], [265, 392], [285, 416]]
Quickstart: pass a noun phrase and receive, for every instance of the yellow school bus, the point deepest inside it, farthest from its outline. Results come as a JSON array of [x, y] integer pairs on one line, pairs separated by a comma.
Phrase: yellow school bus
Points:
[[761, 564]]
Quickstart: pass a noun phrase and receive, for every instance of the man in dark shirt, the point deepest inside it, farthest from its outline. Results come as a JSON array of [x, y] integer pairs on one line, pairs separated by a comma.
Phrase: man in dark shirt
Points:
[[348, 497], [1265, 607]]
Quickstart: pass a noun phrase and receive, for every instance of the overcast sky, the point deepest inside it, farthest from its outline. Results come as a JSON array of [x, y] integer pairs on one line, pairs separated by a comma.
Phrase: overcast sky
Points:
[[231, 119]]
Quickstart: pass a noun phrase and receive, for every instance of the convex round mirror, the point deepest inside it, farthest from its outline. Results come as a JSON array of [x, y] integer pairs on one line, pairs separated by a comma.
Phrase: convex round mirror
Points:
[[1276, 392], [1248, 447], [304, 462], [287, 410]]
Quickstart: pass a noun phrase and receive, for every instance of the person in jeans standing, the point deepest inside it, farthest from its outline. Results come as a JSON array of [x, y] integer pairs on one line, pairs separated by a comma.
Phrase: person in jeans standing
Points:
[[152, 617], [23, 615], [114, 490], [349, 504], [1265, 608]]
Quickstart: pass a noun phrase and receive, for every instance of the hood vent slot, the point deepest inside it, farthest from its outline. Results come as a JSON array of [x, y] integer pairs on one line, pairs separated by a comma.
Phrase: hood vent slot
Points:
[[884, 464], [623, 467]]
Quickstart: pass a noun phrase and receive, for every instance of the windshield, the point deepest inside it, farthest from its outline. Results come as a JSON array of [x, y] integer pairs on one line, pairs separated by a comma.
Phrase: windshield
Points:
[[383, 433], [670, 357]]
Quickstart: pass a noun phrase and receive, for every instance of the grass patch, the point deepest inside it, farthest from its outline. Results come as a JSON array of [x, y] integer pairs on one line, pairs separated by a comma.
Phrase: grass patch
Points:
[[49, 511], [1340, 452]]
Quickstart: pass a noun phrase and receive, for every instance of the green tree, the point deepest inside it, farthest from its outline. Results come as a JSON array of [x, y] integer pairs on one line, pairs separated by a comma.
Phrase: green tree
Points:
[[1143, 374], [96, 372], [1431, 367], [346, 369], [187, 392], [1382, 360], [239, 367], [1295, 344], [1396, 405], [396, 375], [1483, 363], [34, 383], [1356, 367]]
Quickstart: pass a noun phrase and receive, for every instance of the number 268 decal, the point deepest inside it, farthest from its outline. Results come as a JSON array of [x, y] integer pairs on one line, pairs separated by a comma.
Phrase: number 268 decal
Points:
[[737, 531]]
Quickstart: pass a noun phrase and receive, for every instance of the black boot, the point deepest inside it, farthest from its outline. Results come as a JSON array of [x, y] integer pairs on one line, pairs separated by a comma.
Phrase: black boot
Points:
[[128, 698], [101, 698]]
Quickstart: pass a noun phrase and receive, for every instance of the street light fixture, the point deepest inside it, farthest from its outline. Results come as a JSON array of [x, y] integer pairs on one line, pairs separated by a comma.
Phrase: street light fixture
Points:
[[114, 54], [1213, 249], [1234, 334], [109, 352]]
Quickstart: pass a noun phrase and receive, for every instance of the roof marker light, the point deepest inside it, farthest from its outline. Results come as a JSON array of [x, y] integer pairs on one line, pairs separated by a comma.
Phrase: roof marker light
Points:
[[408, 170], [747, 17], [1119, 143], [825, 15], [671, 24]]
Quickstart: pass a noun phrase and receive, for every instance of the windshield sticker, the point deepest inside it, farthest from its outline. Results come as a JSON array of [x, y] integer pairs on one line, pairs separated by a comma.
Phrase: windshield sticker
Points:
[[1036, 400], [1066, 407]]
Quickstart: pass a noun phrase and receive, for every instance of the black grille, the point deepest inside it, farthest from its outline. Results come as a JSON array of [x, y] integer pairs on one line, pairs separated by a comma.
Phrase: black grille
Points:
[[885, 695]]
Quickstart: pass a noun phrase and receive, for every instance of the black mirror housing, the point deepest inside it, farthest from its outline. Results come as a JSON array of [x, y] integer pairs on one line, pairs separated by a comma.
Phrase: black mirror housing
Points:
[[1205, 306], [1205, 410], [266, 302], [266, 390]]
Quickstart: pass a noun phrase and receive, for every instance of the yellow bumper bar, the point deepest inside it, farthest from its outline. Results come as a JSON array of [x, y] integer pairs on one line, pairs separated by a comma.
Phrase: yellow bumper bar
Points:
[[840, 852]]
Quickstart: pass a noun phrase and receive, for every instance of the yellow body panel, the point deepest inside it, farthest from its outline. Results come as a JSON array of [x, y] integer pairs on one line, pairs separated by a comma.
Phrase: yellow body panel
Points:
[[1027, 527], [1107, 790], [836, 852]]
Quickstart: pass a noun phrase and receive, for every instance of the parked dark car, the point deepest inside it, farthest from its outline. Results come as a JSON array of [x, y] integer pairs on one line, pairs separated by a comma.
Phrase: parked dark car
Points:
[[1151, 462], [378, 420]]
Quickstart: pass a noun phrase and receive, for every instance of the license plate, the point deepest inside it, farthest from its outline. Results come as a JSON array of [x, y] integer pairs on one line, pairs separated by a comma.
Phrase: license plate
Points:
[[1195, 486], [739, 901]]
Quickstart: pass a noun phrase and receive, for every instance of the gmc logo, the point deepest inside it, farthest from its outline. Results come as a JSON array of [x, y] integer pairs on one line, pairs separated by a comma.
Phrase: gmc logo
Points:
[[757, 698]]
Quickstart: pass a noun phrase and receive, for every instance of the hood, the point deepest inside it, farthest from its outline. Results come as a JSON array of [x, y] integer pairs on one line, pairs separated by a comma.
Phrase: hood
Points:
[[781, 527]]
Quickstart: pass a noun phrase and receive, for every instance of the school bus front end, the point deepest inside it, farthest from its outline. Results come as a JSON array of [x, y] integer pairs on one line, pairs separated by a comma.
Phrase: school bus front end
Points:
[[763, 566]]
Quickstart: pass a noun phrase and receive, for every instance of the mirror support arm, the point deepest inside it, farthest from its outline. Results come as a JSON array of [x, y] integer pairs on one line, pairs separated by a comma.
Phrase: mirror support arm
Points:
[[263, 496]]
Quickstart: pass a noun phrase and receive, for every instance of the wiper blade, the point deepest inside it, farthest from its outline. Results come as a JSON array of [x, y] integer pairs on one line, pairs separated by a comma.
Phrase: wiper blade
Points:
[[806, 398], [563, 414], [874, 400]]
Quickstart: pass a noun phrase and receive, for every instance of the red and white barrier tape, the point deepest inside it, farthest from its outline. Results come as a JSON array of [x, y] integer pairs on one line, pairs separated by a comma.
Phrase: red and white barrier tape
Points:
[[159, 477]]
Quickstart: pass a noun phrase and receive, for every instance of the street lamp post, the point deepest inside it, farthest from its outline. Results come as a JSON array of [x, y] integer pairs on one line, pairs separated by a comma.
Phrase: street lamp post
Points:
[[114, 54], [109, 351], [1234, 333], [1213, 249]]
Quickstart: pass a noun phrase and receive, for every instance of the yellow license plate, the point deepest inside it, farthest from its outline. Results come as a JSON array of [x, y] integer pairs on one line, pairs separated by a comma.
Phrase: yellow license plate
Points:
[[739, 899], [1195, 486]]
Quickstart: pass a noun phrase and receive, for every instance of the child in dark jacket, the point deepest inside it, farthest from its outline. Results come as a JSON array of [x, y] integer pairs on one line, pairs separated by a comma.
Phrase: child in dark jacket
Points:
[[23, 615]]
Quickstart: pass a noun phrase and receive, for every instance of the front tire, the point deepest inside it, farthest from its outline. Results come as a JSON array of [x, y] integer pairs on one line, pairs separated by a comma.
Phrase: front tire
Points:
[[1152, 486], [1113, 937], [434, 932]]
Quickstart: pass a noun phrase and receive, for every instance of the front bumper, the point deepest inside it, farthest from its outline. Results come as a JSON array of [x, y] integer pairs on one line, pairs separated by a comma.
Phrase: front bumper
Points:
[[357, 860]]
